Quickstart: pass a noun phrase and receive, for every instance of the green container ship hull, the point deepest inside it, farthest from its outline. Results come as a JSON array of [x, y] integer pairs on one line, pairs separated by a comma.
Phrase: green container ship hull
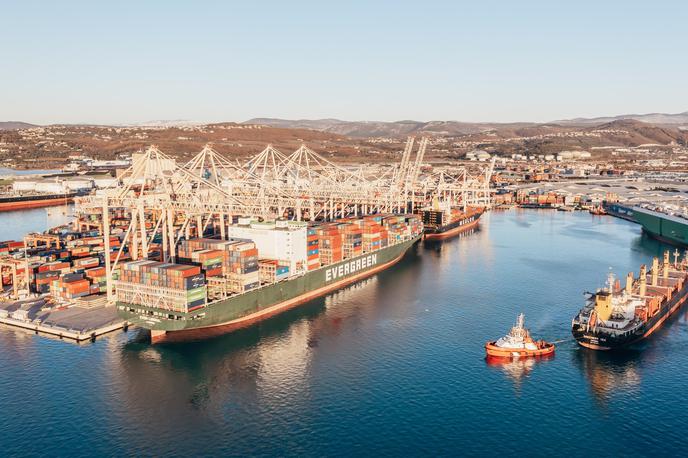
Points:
[[667, 228], [259, 304]]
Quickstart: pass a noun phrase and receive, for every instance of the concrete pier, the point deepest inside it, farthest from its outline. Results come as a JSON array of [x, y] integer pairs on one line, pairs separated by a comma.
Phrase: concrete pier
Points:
[[75, 322]]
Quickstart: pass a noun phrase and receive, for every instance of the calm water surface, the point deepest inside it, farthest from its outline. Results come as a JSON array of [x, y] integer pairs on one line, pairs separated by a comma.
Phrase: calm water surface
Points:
[[391, 366], [13, 172], [15, 225]]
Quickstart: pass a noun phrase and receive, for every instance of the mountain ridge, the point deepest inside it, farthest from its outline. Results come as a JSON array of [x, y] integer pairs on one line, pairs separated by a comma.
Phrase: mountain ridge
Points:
[[453, 128], [14, 125]]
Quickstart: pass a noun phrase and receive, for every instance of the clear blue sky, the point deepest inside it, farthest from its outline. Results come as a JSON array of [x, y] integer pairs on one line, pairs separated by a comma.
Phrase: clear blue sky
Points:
[[121, 61]]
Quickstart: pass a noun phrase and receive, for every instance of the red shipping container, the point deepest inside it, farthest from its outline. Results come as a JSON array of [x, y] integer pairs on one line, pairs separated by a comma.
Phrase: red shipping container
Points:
[[214, 272], [95, 272]]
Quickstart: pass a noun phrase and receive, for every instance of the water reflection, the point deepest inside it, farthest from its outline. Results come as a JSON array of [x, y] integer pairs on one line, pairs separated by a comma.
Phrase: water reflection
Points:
[[268, 366], [391, 362], [437, 245], [516, 369], [609, 373], [649, 247], [16, 224]]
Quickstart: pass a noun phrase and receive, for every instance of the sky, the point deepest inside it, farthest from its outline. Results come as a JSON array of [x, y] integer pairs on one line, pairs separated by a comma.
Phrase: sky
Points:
[[128, 62]]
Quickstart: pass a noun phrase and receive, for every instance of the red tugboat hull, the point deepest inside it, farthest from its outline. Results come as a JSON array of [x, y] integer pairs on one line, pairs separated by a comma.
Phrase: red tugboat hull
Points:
[[493, 351]]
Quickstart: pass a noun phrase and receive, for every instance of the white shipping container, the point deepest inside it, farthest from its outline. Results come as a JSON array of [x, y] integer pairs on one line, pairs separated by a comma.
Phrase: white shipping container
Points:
[[76, 185], [104, 182], [51, 187], [24, 185]]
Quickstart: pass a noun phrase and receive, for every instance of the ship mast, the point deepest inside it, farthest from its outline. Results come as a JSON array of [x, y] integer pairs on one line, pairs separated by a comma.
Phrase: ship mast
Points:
[[610, 281]]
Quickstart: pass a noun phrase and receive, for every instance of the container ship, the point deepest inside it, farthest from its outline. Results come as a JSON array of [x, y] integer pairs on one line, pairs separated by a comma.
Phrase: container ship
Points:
[[619, 210], [662, 225], [614, 318], [21, 202], [442, 223], [262, 269]]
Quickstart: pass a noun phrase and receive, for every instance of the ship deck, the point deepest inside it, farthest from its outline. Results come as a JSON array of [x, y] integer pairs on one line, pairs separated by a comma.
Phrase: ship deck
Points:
[[666, 216]]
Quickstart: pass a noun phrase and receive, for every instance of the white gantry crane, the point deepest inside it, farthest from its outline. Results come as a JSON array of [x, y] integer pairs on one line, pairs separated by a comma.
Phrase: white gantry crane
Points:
[[158, 202]]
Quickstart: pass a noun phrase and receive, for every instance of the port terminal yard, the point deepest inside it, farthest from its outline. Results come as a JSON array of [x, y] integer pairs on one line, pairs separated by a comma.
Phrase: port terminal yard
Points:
[[83, 322], [65, 282]]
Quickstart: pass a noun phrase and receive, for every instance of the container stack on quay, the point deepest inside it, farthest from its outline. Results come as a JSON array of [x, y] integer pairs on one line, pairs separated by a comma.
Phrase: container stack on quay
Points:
[[10, 245], [70, 286], [47, 273], [98, 279], [54, 254], [537, 198], [86, 263]]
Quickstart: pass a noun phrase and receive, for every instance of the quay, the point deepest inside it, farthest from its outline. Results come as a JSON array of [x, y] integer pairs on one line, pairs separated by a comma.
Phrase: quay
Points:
[[83, 322]]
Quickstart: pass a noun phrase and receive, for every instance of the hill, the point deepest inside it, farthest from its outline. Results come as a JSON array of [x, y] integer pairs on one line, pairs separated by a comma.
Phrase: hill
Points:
[[400, 129], [51, 145], [553, 138], [501, 138], [394, 129], [12, 125], [650, 118]]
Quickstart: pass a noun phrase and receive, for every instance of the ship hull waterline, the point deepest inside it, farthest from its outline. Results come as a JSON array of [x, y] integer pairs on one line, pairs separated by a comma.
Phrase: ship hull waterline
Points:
[[292, 293], [663, 239], [665, 228], [493, 351], [453, 232], [24, 205]]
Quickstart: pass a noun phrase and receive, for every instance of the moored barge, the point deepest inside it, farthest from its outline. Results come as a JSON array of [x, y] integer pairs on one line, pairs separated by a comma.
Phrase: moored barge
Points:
[[22, 202]]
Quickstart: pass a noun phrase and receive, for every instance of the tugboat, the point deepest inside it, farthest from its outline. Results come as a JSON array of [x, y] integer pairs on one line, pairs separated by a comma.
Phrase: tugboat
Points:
[[598, 210], [518, 344]]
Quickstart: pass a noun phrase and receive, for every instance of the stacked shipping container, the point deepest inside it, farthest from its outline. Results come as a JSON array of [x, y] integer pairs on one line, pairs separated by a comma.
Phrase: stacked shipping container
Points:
[[329, 243], [242, 266], [174, 287], [98, 279], [313, 252], [237, 260], [47, 273], [272, 270], [352, 242], [70, 286]]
